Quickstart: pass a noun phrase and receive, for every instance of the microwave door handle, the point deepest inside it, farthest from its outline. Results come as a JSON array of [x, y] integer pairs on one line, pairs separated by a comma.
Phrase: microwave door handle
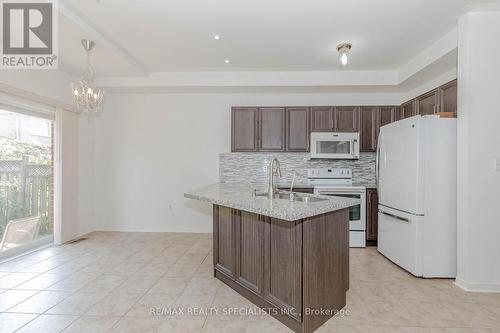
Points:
[[354, 142]]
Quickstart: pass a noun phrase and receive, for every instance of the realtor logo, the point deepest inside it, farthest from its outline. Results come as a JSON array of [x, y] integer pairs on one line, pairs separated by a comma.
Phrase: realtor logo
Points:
[[29, 34]]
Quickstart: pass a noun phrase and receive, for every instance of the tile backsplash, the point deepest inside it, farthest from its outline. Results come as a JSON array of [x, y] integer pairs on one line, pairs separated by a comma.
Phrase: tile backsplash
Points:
[[251, 168]]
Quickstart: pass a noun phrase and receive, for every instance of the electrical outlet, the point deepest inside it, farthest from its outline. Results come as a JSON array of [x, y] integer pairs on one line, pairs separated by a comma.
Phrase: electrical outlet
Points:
[[496, 164]]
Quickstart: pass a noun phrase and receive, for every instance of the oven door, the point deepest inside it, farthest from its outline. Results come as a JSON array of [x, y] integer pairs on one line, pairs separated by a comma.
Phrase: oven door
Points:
[[335, 148], [357, 214]]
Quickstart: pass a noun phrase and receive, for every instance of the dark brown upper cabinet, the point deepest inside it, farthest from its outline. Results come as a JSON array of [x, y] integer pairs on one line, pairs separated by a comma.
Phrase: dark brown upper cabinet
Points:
[[448, 97], [427, 103], [387, 115], [368, 128], [346, 118], [271, 129], [334, 119], [244, 132], [298, 129], [322, 119], [408, 109], [289, 128]]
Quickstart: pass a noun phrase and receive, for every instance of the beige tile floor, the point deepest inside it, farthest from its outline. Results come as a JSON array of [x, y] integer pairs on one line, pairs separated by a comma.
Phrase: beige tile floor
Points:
[[110, 282]]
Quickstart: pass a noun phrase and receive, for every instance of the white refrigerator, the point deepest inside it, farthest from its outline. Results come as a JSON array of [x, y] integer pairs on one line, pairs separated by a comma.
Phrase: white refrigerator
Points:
[[417, 212]]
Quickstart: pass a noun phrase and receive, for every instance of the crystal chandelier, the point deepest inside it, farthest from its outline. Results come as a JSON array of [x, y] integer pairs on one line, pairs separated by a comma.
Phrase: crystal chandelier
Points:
[[87, 96]]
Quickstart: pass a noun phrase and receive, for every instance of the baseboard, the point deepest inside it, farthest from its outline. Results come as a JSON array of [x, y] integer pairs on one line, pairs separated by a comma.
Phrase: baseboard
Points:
[[477, 287]]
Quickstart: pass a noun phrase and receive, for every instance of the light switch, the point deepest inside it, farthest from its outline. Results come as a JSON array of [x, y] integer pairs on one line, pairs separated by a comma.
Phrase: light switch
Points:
[[496, 164]]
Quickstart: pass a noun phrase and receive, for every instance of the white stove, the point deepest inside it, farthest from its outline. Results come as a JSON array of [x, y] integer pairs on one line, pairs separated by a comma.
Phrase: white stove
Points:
[[338, 182]]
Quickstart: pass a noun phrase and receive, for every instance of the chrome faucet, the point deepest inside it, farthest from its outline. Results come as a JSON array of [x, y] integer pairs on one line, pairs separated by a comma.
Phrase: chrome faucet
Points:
[[272, 188]]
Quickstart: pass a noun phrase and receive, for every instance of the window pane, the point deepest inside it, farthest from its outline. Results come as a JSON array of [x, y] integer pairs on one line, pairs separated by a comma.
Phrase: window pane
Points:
[[26, 182]]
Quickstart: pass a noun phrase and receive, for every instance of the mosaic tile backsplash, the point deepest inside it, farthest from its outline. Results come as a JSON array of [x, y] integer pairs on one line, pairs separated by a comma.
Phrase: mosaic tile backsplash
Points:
[[251, 168]]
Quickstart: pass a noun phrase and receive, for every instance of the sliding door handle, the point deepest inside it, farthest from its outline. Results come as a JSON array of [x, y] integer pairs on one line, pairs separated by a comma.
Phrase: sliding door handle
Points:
[[404, 219]]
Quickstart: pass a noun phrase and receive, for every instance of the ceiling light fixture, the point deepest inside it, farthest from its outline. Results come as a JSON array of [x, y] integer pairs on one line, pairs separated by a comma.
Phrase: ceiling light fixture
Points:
[[226, 61], [344, 49], [87, 96], [216, 37]]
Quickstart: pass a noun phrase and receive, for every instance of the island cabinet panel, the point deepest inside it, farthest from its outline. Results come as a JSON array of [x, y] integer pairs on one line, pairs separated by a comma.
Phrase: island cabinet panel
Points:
[[271, 129], [224, 241], [284, 260], [346, 118], [294, 270], [244, 131], [326, 265], [250, 251], [298, 129], [322, 119]]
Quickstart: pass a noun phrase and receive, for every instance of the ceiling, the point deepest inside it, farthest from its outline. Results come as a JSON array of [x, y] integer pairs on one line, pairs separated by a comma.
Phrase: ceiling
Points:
[[137, 38]]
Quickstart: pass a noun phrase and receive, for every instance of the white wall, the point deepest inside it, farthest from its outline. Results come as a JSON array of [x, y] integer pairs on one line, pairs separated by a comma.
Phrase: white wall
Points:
[[66, 177], [85, 175], [478, 145], [150, 149], [52, 84]]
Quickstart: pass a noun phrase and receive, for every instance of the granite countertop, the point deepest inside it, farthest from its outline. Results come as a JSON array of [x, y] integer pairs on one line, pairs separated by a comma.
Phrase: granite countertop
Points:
[[241, 197]]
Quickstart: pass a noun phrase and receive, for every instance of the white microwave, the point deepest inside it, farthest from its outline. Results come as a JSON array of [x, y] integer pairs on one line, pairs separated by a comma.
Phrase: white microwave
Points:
[[335, 145]]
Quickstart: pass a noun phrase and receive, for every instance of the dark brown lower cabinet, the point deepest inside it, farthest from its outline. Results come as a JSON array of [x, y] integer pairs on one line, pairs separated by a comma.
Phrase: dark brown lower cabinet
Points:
[[371, 216], [292, 270]]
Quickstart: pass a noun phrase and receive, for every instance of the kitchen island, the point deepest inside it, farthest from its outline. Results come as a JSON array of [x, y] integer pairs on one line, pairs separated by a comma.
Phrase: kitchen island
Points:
[[289, 256]]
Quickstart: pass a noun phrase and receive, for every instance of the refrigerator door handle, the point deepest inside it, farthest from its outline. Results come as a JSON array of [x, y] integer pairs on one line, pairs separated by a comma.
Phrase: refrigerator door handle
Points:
[[404, 219], [377, 161]]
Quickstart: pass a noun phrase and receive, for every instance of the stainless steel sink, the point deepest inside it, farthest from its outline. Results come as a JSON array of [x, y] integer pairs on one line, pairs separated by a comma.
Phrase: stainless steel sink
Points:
[[292, 196]]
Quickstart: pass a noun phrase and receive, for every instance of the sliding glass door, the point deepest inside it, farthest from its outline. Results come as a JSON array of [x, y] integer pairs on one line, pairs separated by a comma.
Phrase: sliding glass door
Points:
[[26, 182]]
